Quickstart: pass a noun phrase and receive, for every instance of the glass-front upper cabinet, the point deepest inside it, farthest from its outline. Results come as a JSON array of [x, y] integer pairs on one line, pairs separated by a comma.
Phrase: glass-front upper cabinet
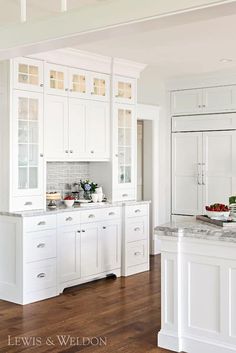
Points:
[[125, 149], [56, 77], [124, 90], [78, 83], [28, 74], [27, 143], [100, 86]]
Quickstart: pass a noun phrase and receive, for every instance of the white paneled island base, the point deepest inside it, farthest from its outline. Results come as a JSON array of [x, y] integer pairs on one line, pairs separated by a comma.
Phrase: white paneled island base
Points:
[[198, 305]]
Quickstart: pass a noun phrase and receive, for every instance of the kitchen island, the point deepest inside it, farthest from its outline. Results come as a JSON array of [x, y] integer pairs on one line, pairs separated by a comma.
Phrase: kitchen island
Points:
[[198, 305]]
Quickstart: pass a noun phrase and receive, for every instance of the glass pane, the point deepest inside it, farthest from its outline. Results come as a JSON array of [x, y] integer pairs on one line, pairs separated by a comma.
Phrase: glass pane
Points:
[[33, 178], [33, 109], [23, 155], [127, 156], [60, 85], [33, 132], [60, 75], [121, 136], [22, 78], [23, 68], [121, 118], [23, 178], [52, 84], [53, 74], [121, 175], [33, 70], [33, 80], [127, 137], [127, 174], [128, 118], [33, 155], [23, 108], [121, 156], [23, 132]]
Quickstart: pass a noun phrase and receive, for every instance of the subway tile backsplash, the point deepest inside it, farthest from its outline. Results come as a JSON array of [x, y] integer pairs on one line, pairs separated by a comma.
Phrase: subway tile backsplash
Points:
[[60, 175]]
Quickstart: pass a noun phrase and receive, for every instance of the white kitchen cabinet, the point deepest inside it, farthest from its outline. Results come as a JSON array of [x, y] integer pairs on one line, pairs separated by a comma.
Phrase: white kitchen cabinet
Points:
[[69, 253], [110, 245], [28, 74], [76, 129], [124, 176], [56, 128], [78, 83], [124, 90], [99, 86], [56, 79], [186, 173], [203, 170], [204, 100], [27, 145], [90, 249]]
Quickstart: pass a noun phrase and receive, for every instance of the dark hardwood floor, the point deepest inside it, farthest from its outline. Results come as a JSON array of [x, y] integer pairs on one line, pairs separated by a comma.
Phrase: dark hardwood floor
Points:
[[124, 313]]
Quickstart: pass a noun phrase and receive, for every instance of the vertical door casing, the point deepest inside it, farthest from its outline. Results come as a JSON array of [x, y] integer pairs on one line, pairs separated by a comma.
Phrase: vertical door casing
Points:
[[17, 131], [186, 173], [110, 243], [219, 166], [69, 255], [28, 74], [186, 102], [78, 129], [56, 128], [98, 130], [90, 250]]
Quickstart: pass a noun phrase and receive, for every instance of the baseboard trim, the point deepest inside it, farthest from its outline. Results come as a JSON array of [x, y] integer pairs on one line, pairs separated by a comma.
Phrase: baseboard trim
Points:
[[169, 341]]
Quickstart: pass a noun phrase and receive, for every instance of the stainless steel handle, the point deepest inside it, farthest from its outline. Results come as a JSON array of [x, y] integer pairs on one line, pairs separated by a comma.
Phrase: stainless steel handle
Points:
[[111, 214], [204, 105], [71, 151], [68, 219], [104, 227], [125, 195], [116, 155], [66, 89], [42, 223], [83, 231], [199, 106], [41, 155], [28, 203], [41, 84], [92, 151], [137, 211], [78, 231], [41, 275], [137, 253], [66, 151], [41, 245], [199, 181], [137, 229], [91, 216]]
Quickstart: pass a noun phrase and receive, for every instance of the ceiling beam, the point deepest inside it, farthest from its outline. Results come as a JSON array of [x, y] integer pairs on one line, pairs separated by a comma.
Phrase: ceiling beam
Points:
[[66, 28]]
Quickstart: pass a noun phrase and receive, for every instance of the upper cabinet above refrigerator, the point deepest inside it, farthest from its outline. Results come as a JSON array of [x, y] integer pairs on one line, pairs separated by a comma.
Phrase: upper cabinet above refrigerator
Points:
[[124, 90], [28, 74]]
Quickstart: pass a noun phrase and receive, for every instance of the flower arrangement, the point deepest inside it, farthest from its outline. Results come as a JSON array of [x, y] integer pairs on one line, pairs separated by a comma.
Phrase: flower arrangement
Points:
[[88, 186]]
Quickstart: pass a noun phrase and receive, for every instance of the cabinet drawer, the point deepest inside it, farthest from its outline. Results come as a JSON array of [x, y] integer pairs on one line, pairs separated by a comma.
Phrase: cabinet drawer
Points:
[[137, 253], [38, 223], [92, 216], [69, 218], [40, 246], [137, 229], [111, 213], [27, 203], [125, 195], [40, 275], [136, 210]]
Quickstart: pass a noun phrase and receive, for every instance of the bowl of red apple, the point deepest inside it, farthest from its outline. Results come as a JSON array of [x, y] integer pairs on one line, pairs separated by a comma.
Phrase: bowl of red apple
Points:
[[218, 211], [69, 201]]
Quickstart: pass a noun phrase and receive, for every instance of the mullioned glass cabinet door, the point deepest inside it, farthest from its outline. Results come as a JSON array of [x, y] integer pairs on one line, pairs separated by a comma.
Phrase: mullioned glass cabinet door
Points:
[[28, 74], [27, 143], [124, 90]]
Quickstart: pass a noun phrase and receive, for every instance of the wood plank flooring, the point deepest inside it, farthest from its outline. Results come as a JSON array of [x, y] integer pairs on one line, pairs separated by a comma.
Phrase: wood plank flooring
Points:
[[124, 313]]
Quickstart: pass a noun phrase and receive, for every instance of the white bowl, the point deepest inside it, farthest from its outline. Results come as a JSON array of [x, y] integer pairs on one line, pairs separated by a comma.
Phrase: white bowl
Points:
[[69, 203], [217, 215]]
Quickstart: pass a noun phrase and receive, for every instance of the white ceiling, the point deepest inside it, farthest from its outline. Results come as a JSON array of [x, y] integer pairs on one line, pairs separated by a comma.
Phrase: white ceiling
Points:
[[182, 46]]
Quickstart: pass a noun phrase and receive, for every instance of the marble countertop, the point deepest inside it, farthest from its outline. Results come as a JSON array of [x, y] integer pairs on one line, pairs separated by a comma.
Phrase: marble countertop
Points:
[[197, 230], [71, 209]]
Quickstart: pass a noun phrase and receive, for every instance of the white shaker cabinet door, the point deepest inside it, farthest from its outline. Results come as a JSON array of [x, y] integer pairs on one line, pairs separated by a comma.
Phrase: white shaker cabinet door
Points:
[[69, 253], [90, 250], [77, 129], [219, 166], [98, 130], [56, 128], [219, 99], [110, 236], [186, 173], [186, 102]]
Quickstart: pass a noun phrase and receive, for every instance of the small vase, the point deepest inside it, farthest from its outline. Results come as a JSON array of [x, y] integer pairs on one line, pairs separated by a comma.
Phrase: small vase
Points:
[[87, 195]]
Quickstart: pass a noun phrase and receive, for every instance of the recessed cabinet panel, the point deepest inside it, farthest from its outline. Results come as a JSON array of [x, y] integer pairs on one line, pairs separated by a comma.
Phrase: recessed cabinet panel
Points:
[[124, 90], [28, 147], [90, 250], [219, 99], [186, 102], [28, 74], [110, 242], [56, 128]]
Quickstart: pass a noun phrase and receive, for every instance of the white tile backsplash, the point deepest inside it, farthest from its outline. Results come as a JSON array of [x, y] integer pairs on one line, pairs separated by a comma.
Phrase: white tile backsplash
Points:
[[60, 175]]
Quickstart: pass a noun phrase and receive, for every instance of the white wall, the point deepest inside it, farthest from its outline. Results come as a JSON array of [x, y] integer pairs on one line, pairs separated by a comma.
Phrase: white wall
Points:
[[152, 90]]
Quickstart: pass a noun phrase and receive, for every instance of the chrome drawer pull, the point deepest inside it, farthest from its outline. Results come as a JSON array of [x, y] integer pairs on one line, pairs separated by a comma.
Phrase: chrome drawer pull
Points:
[[42, 223], [125, 195], [137, 253], [137, 229], [111, 213], [41, 275], [137, 211], [68, 219], [104, 227], [83, 231], [28, 203], [91, 216], [41, 245]]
